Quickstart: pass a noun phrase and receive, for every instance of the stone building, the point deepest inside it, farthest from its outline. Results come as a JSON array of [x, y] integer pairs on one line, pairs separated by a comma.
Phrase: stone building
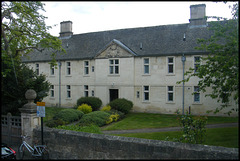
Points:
[[139, 64]]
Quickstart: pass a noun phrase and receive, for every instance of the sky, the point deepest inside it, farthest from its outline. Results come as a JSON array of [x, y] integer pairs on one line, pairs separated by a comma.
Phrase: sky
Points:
[[94, 16]]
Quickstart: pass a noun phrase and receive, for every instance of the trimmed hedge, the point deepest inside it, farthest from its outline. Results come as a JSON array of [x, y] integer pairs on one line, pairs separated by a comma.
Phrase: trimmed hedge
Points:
[[94, 102], [68, 115], [121, 104], [98, 118]]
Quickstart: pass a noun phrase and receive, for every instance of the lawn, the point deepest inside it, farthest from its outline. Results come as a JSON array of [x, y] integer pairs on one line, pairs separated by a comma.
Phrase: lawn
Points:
[[150, 120], [226, 137]]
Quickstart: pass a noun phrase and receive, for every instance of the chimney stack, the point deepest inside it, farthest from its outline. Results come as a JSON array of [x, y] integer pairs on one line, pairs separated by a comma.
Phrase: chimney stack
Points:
[[66, 29], [197, 16]]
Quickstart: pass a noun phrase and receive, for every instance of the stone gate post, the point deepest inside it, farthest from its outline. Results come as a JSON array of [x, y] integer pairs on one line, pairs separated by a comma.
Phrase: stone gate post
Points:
[[29, 117]]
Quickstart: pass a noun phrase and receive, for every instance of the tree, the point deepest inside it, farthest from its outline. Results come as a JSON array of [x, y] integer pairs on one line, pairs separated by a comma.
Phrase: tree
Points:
[[23, 30], [13, 95], [220, 68]]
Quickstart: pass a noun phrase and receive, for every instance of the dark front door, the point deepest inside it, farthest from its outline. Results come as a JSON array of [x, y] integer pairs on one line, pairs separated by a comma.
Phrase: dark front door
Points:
[[113, 94]]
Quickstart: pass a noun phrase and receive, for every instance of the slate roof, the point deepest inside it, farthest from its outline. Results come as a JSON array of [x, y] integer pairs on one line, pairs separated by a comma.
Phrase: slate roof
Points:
[[155, 41]]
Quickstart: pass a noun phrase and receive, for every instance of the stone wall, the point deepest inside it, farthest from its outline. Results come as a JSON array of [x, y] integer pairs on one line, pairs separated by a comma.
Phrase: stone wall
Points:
[[65, 144]]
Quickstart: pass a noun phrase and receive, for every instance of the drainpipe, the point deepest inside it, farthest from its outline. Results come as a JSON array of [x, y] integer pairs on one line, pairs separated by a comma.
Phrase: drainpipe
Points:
[[183, 63], [59, 64]]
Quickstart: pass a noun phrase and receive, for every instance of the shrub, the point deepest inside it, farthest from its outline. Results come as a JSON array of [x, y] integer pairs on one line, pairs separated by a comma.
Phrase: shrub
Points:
[[106, 108], [68, 115], [55, 123], [113, 117], [194, 128], [121, 114], [121, 104], [94, 102], [85, 108], [98, 118]]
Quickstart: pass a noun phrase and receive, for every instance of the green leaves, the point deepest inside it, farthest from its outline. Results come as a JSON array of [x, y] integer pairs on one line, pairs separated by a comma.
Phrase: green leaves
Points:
[[220, 68], [24, 29]]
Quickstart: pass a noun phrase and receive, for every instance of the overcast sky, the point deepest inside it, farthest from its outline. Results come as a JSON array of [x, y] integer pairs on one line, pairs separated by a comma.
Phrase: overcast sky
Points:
[[101, 16]]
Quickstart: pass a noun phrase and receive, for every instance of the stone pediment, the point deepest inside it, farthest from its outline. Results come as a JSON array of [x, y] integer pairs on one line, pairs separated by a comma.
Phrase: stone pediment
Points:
[[115, 49]]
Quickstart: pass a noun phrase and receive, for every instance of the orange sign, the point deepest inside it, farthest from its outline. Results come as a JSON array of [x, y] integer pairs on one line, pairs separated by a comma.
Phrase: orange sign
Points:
[[40, 103]]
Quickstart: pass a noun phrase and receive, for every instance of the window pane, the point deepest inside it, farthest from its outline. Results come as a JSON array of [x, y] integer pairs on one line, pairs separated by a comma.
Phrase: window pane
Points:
[[196, 89], [170, 88], [170, 68], [146, 96], [146, 88], [68, 71], [196, 59], [111, 61], [146, 69], [116, 70], [196, 97], [146, 61], [116, 61], [196, 66], [170, 96], [86, 70], [68, 94], [111, 69], [170, 60]]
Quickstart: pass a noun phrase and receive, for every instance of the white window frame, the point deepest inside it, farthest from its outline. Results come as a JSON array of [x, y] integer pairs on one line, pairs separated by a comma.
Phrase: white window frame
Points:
[[196, 63], [195, 92], [52, 91], [86, 90], [170, 92], [170, 63], [114, 66], [68, 87], [146, 65], [52, 70], [68, 68], [138, 94], [86, 65], [146, 91]]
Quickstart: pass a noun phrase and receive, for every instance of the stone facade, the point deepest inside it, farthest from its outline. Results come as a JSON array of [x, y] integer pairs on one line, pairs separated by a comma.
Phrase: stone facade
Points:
[[139, 64], [129, 82]]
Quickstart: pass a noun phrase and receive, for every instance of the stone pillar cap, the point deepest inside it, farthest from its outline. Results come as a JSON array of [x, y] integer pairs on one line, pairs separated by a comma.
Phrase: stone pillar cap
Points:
[[29, 107]]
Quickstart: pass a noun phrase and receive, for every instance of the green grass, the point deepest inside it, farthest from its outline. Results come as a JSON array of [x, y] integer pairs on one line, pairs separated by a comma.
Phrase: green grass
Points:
[[226, 137], [89, 129], [150, 120]]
